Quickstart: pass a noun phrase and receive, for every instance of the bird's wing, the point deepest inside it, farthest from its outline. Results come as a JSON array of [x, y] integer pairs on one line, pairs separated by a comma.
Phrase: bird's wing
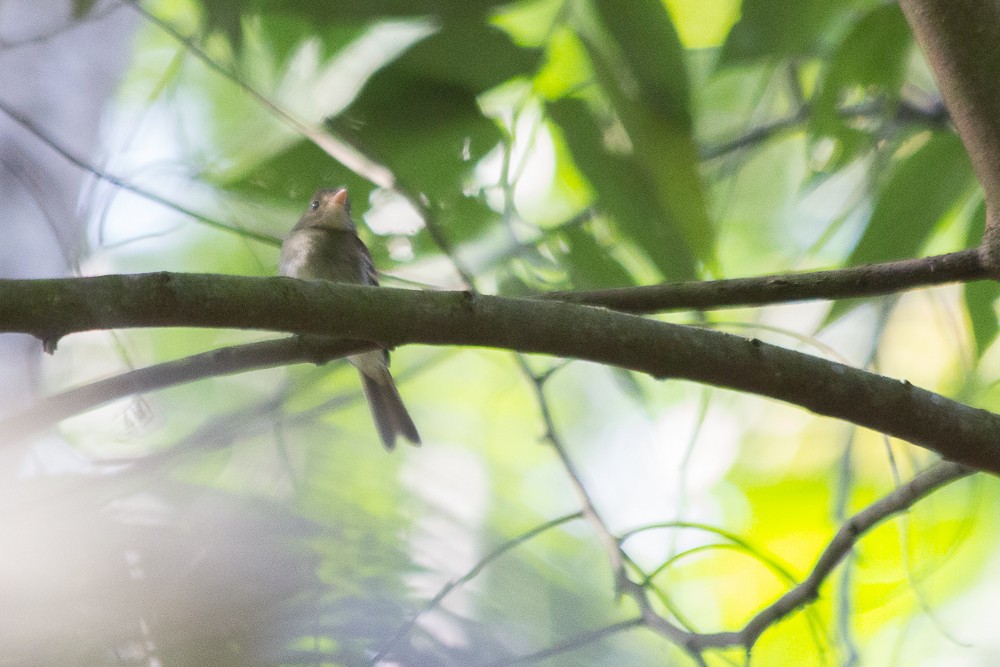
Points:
[[367, 268]]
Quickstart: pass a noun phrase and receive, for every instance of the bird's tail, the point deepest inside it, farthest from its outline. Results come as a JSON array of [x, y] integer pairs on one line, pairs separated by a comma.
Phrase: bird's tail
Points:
[[388, 412]]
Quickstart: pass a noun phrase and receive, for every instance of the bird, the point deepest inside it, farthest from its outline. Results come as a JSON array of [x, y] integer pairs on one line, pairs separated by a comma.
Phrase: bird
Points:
[[324, 245]]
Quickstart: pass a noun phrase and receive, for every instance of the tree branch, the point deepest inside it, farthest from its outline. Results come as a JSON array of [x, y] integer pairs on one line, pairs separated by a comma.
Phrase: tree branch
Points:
[[853, 282], [224, 361], [52, 308], [904, 497], [956, 36], [907, 112]]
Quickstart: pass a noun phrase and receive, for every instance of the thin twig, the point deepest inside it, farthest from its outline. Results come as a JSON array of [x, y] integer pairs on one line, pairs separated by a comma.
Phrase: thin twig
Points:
[[904, 497], [119, 182], [853, 282], [624, 585], [351, 156], [469, 576], [906, 112], [611, 543], [756, 135]]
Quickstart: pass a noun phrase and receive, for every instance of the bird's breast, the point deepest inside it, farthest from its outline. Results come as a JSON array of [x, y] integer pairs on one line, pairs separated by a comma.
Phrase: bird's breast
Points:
[[323, 254], [295, 255]]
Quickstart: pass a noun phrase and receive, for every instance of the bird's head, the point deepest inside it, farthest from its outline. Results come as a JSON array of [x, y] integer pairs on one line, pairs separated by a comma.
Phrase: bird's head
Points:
[[330, 209]]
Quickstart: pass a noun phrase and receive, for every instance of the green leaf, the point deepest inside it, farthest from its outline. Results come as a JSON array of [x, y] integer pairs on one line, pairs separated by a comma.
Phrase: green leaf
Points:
[[874, 52], [566, 67], [285, 34], [919, 191], [868, 67], [981, 295], [921, 188], [656, 120], [590, 265], [295, 173], [420, 114], [326, 12], [429, 133], [980, 298], [226, 17], [648, 41], [776, 29], [470, 55], [464, 218], [318, 17], [624, 191]]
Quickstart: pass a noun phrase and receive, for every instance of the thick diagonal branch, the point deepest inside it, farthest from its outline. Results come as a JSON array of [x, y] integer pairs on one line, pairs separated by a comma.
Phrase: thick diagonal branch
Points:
[[50, 309], [959, 39]]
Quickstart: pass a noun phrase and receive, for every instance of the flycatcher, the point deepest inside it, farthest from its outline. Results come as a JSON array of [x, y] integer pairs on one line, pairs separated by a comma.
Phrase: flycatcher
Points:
[[324, 245]]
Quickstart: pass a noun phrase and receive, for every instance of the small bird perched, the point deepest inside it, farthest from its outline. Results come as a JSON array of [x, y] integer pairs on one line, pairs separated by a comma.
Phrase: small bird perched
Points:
[[324, 245]]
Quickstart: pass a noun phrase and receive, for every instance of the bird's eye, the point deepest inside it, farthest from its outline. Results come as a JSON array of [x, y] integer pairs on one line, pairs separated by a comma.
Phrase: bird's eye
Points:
[[315, 205]]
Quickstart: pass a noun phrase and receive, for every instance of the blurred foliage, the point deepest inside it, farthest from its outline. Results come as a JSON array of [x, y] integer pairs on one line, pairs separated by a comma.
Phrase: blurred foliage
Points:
[[535, 144]]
